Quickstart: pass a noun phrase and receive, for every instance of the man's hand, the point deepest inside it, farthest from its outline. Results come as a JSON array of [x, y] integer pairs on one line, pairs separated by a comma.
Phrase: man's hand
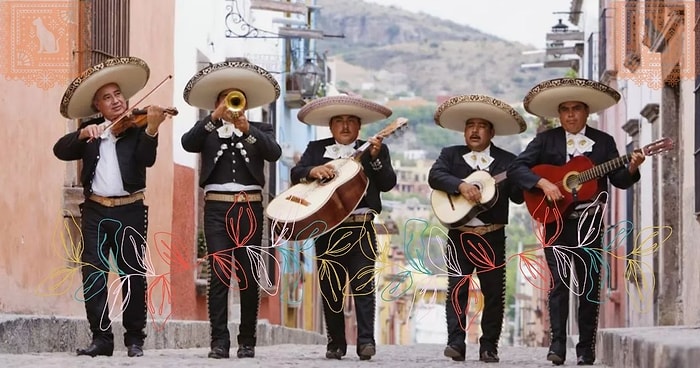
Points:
[[375, 146], [155, 116], [551, 191], [322, 172], [91, 132], [470, 191], [636, 160]]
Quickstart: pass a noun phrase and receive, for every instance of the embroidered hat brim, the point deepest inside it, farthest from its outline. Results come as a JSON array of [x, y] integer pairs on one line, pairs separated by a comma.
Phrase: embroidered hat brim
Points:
[[544, 99], [454, 113], [130, 73], [258, 85], [320, 111]]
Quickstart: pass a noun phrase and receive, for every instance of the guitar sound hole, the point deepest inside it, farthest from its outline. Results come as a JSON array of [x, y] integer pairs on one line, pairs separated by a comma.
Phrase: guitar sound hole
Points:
[[572, 181]]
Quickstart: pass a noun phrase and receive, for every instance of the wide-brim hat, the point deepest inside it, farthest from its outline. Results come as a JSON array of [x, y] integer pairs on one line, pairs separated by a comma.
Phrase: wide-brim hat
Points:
[[454, 113], [320, 111], [130, 73], [258, 85], [544, 99]]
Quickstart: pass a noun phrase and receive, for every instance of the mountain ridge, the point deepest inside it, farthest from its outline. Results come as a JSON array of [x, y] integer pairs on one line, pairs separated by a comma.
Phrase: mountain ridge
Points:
[[388, 53]]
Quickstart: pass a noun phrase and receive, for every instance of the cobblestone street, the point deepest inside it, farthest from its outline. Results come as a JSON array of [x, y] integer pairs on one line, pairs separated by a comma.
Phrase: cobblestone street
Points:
[[282, 356]]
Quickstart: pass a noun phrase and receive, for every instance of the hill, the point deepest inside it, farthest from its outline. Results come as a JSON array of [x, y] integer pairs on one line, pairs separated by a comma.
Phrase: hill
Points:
[[389, 53]]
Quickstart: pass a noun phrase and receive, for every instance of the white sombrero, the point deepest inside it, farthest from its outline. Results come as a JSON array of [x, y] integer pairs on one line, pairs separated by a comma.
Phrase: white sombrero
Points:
[[454, 113], [321, 110], [544, 99], [130, 73], [258, 85]]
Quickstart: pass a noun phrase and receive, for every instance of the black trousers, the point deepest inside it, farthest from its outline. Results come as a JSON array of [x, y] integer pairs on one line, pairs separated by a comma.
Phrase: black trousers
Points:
[[347, 252], [469, 250], [233, 231], [121, 232], [587, 263]]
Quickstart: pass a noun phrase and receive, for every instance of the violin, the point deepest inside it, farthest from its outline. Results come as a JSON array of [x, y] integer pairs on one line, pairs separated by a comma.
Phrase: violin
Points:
[[135, 119]]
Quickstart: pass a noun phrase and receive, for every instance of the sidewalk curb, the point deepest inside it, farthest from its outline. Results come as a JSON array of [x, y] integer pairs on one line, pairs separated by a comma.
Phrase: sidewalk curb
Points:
[[650, 347], [21, 334]]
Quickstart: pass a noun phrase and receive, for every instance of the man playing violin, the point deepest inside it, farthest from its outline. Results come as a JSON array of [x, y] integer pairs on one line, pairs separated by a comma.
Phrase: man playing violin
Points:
[[233, 153], [114, 180], [577, 238], [479, 118]]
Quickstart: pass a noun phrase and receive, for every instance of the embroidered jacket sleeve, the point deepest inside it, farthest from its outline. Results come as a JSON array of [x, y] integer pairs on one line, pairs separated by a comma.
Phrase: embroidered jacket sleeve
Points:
[[261, 139], [194, 139], [441, 176], [379, 171], [70, 147], [311, 158]]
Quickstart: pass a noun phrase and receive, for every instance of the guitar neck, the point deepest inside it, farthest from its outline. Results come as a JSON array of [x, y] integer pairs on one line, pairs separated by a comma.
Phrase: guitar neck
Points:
[[599, 171], [359, 151], [500, 177]]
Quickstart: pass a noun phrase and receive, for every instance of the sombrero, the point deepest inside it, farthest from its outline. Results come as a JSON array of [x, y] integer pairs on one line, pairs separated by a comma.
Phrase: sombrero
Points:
[[321, 110], [130, 73], [544, 99], [454, 113], [258, 85]]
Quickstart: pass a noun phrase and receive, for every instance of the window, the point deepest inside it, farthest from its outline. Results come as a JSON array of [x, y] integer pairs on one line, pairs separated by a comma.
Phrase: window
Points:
[[104, 33]]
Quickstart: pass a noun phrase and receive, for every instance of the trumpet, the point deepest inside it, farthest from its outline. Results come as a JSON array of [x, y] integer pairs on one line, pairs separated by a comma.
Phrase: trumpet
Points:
[[235, 102]]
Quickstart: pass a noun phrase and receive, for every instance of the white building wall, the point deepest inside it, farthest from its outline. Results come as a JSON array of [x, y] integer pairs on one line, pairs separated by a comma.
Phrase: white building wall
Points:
[[690, 228]]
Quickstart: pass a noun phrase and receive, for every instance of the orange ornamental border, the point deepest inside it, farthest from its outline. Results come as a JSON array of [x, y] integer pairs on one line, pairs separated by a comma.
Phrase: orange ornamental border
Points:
[[640, 24], [35, 41]]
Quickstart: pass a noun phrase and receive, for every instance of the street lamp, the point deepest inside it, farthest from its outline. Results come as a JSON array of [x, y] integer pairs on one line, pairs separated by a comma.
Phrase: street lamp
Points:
[[560, 27], [308, 79]]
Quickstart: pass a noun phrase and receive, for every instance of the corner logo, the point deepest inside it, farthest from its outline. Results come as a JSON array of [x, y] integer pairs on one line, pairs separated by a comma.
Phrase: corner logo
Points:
[[35, 41], [663, 26]]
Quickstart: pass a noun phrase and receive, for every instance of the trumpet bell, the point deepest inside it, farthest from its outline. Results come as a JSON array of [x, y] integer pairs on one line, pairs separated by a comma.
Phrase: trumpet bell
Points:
[[235, 101]]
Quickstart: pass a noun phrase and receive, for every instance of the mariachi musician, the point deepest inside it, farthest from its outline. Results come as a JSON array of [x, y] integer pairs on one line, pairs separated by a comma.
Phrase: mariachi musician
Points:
[[233, 154], [345, 115], [115, 152], [572, 100], [479, 118]]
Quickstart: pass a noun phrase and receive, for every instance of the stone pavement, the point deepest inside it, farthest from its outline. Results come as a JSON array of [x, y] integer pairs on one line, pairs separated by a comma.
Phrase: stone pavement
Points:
[[287, 356]]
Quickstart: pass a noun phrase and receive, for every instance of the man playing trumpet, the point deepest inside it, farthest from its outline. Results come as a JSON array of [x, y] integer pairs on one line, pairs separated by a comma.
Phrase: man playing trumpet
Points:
[[233, 152]]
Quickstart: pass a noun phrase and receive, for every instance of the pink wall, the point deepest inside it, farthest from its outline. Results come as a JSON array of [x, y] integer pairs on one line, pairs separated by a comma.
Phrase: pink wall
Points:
[[32, 248]]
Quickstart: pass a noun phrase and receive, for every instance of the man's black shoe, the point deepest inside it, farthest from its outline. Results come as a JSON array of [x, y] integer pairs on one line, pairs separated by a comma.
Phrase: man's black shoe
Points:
[[366, 351], [334, 353], [134, 351], [489, 357], [454, 352], [555, 357], [96, 349], [246, 351], [582, 360], [218, 352]]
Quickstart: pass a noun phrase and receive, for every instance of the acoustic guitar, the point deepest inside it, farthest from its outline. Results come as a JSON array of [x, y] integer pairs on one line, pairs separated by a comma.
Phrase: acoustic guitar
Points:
[[311, 209], [453, 210], [577, 181]]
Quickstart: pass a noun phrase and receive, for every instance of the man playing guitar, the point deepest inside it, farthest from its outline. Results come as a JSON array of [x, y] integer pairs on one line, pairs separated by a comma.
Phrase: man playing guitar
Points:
[[572, 100], [348, 251], [479, 118]]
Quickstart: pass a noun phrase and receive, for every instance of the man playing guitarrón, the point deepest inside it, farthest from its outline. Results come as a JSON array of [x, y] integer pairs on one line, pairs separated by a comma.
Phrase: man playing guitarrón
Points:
[[479, 118], [577, 237], [349, 250]]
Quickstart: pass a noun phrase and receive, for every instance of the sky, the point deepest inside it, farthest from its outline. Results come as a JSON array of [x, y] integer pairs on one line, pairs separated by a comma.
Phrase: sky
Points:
[[514, 20]]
